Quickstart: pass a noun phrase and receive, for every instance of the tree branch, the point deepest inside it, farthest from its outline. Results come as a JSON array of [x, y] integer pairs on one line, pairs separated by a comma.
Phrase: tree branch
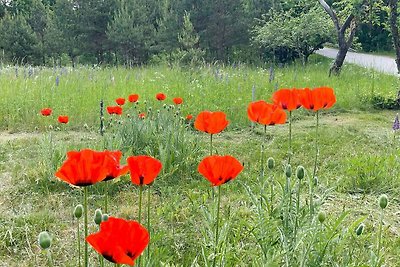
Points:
[[346, 24], [331, 13]]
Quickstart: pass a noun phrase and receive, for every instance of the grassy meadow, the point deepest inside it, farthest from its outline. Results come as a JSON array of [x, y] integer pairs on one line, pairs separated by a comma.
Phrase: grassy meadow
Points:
[[358, 161]]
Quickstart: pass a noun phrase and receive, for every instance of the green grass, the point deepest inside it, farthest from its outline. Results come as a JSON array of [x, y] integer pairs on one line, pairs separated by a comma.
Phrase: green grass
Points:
[[358, 162]]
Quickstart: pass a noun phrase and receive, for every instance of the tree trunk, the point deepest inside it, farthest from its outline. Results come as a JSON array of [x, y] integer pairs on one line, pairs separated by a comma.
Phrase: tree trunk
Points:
[[393, 5], [344, 44]]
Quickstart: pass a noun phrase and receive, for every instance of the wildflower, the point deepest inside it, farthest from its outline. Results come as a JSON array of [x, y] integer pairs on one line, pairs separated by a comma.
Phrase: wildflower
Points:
[[63, 119], [396, 123], [161, 96], [46, 112], [178, 100], [317, 98], [120, 101], [133, 98], [142, 115], [189, 117], [116, 169], [143, 169], [85, 167], [211, 122], [287, 99], [120, 241], [265, 113], [220, 169]]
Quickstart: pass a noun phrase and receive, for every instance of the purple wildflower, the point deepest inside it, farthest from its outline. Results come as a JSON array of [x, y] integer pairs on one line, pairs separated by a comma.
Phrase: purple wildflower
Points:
[[396, 123]]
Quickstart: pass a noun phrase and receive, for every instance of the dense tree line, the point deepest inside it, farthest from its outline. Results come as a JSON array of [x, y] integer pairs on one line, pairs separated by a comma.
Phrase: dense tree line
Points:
[[133, 32]]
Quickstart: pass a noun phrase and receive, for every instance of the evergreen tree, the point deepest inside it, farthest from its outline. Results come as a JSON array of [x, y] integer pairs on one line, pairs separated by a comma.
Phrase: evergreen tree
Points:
[[17, 39]]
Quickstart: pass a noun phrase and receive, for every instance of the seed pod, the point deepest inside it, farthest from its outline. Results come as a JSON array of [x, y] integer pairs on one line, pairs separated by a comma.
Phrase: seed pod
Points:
[[104, 217], [78, 211], [270, 163], [360, 229], [321, 216], [383, 201], [44, 240], [300, 172], [97, 216], [288, 170]]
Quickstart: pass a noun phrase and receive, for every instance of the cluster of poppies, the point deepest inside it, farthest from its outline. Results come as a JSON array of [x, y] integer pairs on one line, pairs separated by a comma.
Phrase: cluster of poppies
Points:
[[122, 241], [87, 167], [48, 111], [133, 98], [290, 99]]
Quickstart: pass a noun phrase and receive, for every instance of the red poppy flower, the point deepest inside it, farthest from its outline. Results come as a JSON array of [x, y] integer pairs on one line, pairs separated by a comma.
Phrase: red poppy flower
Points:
[[318, 98], [63, 119], [116, 170], [46, 111], [189, 117], [178, 100], [211, 122], [220, 169], [114, 110], [161, 96], [143, 169], [120, 241], [258, 110], [85, 167], [120, 101], [276, 116], [288, 99], [142, 115], [133, 98]]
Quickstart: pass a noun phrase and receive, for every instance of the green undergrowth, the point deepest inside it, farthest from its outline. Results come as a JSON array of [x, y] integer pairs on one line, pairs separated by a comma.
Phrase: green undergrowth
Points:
[[358, 161]]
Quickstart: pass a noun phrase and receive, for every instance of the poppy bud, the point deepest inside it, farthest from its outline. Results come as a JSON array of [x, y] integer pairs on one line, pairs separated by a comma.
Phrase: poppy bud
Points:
[[271, 163], [78, 211], [149, 110], [104, 217], [360, 229], [288, 171], [321, 216], [158, 111], [300, 172], [97, 216], [44, 240], [144, 102], [50, 127], [165, 106], [316, 181], [383, 201]]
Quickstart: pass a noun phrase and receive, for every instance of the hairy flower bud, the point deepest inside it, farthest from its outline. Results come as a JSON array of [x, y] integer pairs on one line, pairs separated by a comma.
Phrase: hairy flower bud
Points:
[[300, 172], [78, 211], [104, 217], [270, 163], [321, 216], [360, 229], [97, 217], [288, 170], [44, 240], [383, 201]]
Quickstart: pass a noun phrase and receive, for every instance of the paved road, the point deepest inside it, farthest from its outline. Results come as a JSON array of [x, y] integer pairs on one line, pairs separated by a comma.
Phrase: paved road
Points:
[[379, 63]]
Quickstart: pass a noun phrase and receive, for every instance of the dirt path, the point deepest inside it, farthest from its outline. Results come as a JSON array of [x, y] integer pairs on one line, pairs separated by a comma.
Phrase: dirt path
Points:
[[6, 137], [380, 63]]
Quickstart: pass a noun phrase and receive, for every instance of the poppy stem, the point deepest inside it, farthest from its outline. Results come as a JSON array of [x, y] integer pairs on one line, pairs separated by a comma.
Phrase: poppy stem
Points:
[[211, 144], [79, 245], [379, 236], [315, 168], [140, 203], [106, 197], [297, 211], [290, 136], [217, 227], [140, 213], [148, 221], [86, 224]]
